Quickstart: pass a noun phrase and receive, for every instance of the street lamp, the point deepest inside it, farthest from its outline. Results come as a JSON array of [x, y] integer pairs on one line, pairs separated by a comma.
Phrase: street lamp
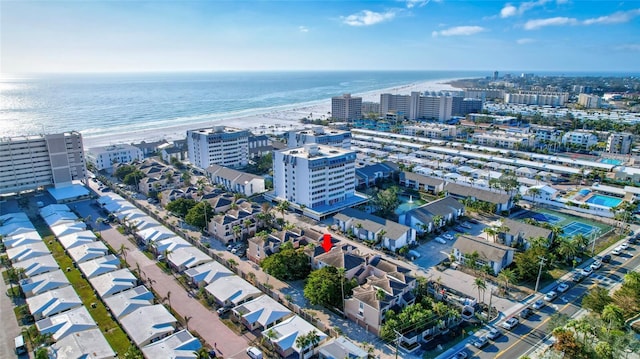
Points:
[[543, 260], [593, 242]]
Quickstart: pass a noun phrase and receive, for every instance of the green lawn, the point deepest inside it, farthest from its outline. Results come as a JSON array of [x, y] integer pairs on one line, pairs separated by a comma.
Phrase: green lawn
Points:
[[112, 332]]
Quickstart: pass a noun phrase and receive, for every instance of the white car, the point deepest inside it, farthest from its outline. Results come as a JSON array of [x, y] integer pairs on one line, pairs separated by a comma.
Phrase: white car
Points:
[[586, 271], [440, 240], [624, 245], [596, 265], [254, 353], [448, 236], [563, 287], [510, 323], [480, 342], [617, 250], [550, 296], [538, 304]]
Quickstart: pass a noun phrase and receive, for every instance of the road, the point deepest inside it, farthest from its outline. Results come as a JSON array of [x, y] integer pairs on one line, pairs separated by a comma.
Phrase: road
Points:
[[530, 333]]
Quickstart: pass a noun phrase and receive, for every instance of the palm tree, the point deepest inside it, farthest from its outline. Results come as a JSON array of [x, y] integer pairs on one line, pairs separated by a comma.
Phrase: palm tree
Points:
[[437, 220], [186, 321], [581, 240], [123, 252], [380, 236], [568, 249], [612, 314], [380, 294], [168, 299], [283, 207], [507, 276], [202, 353], [481, 285], [236, 232], [302, 342], [533, 192], [491, 231]]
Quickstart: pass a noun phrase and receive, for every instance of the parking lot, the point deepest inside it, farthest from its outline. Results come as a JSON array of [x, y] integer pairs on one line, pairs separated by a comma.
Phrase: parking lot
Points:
[[433, 252]]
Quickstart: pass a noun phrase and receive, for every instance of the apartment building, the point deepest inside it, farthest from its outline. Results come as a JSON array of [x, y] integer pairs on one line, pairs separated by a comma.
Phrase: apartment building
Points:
[[582, 139], [505, 139], [483, 94], [346, 107], [370, 107], [321, 178], [104, 157], [318, 135], [589, 101], [619, 143], [545, 133], [540, 98], [29, 162], [220, 145], [430, 130], [439, 106]]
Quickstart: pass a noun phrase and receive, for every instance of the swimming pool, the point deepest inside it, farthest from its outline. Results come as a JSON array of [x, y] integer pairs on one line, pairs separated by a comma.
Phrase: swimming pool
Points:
[[603, 200], [611, 161], [408, 203], [584, 192]]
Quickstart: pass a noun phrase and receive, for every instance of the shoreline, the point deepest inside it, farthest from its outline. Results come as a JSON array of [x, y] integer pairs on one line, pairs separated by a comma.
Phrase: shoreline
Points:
[[264, 121]]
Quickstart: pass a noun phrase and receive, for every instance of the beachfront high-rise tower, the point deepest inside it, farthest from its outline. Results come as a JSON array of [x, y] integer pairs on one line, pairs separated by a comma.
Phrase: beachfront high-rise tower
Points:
[[29, 162], [321, 136], [225, 146], [320, 179], [346, 107]]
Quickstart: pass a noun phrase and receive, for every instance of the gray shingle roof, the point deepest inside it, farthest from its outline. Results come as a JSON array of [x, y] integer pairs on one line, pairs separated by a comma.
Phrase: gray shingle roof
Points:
[[478, 193], [487, 250]]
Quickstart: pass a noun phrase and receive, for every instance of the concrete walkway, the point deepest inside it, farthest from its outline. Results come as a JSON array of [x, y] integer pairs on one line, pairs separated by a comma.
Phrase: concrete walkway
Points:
[[203, 320], [10, 327]]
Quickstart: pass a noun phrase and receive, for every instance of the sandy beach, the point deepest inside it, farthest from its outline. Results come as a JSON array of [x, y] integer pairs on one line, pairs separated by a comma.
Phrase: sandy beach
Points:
[[273, 121]]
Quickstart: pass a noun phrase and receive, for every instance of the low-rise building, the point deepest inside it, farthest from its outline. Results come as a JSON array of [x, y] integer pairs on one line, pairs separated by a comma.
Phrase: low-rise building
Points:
[[421, 183], [105, 157], [114, 282], [53, 302], [243, 217], [66, 323], [581, 139], [88, 252], [38, 265], [43, 283], [148, 324], [341, 347], [76, 239], [207, 273], [283, 336], [27, 251], [232, 291], [181, 345], [261, 313], [89, 343], [236, 181], [495, 256], [364, 226], [22, 239], [442, 211], [187, 257], [100, 266], [501, 200], [516, 233], [620, 143], [129, 301]]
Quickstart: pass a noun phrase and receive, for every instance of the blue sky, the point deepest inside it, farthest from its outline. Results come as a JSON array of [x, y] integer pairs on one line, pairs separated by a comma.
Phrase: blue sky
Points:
[[117, 36]]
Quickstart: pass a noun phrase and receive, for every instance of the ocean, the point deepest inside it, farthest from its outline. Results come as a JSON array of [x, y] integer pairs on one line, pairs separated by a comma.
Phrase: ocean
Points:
[[101, 104]]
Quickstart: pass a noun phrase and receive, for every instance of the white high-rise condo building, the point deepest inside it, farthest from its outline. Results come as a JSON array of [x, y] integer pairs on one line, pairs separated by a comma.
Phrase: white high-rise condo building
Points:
[[346, 107], [29, 162], [619, 143], [218, 145], [589, 101], [318, 134], [316, 176]]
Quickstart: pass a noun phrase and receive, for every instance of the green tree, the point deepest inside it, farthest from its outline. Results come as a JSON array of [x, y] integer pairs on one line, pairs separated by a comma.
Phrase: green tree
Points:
[[481, 285], [287, 264], [181, 206], [566, 343], [506, 277], [603, 350], [282, 207], [199, 215], [596, 299], [323, 287], [613, 315], [386, 201], [133, 178]]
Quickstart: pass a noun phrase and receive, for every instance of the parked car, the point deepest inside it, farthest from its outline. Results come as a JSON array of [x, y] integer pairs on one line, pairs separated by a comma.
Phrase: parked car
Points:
[[526, 313], [440, 240], [563, 287], [510, 323], [606, 258], [494, 333], [550, 296], [465, 225], [617, 251], [458, 229], [538, 304], [480, 342], [223, 310], [586, 271], [577, 277], [448, 236], [596, 265], [624, 245], [254, 353]]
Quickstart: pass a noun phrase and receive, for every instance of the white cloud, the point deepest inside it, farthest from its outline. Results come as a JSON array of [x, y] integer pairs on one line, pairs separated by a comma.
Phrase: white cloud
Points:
[[417, 3], [553, 21], [615, 18], [510, 10], [525, 41], [303, 29], [459, 31], [367, 18]]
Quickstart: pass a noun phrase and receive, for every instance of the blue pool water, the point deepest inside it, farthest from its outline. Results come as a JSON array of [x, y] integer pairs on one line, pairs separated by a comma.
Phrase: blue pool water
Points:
[[584, 192], [406, 206], [611, 161], [603, 200]]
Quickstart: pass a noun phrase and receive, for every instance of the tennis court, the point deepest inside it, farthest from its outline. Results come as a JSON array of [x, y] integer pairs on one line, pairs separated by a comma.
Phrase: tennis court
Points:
[[575, 228], [547, 217]]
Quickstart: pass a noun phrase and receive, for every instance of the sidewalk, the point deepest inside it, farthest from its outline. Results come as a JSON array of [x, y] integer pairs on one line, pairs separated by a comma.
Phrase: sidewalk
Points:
[[203, 321], [10, 328]]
